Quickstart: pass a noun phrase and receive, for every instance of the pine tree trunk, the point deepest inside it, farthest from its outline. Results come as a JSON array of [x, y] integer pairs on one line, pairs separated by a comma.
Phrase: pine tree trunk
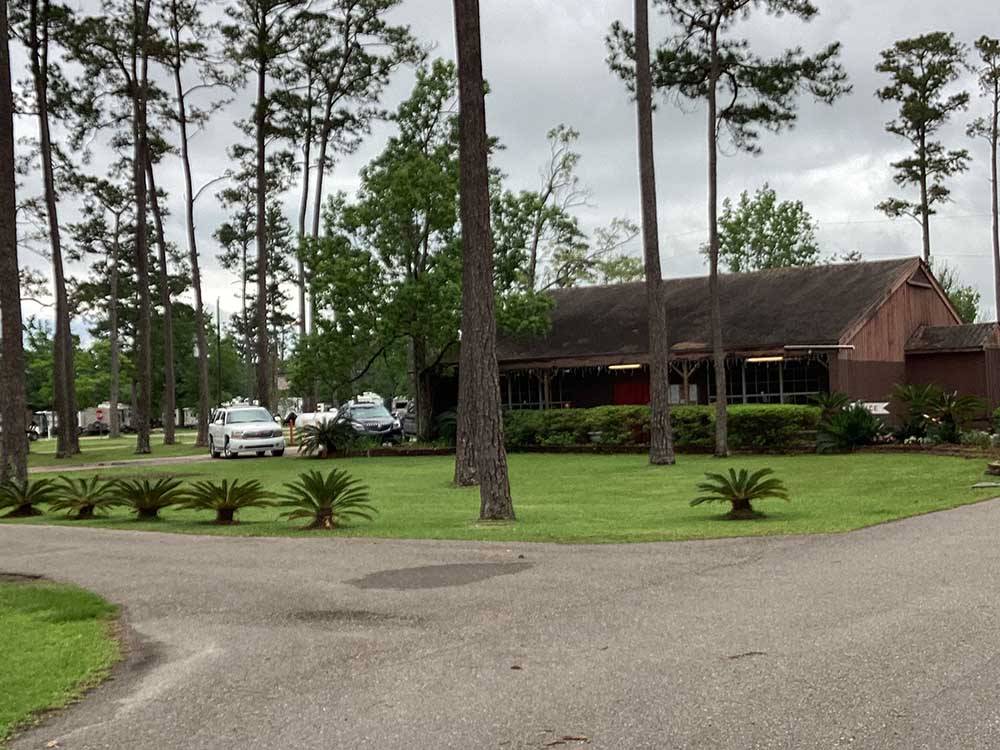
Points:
[[925, 209], [169, 405], [143, 343], [478, 359], [994, 139], [114, 420], [263, 345], [63, 376], [303, 210], [324, 144], [419, 386], [309, 400], [13, 399], [718, 352], [661, 444], [201, 341]]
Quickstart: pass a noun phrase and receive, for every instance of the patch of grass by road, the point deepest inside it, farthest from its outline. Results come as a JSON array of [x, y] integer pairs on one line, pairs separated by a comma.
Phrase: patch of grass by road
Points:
[[589, 498], [95, 450], [57, 642]]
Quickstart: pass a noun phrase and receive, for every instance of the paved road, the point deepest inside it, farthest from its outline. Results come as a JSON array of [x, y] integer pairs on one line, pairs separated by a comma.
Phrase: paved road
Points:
[[125, 462], [884, 638]]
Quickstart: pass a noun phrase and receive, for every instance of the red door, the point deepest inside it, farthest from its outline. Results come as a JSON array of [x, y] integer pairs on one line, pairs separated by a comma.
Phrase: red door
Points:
[[631, 392]]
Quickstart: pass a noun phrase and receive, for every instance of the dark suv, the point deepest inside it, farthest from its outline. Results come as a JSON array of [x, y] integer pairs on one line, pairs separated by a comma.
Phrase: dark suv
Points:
[[372, 421]]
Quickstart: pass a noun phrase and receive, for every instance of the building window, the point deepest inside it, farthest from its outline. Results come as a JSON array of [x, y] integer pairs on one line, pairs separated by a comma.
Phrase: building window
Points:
[[791, 381]]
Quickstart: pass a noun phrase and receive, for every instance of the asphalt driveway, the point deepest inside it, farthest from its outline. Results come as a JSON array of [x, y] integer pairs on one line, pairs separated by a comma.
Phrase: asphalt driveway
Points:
[[883, 638]]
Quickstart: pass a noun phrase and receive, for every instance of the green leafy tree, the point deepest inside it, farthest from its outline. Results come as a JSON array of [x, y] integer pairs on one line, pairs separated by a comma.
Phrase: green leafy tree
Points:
[[920, 71], [46, 30], [705, 60], [988, 128], [760, 233], [965, 299], [259, 39], [114, 50], [104, 233], [405, 220], [191, 42]]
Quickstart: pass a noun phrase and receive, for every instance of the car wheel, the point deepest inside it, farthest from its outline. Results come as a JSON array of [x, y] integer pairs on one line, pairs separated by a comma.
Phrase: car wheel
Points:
[[226, 453], [211, 448], [278, 453]]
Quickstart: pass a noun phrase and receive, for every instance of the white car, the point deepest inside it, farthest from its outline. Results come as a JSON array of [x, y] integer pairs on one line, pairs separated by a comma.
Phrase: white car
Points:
[[244, 429]]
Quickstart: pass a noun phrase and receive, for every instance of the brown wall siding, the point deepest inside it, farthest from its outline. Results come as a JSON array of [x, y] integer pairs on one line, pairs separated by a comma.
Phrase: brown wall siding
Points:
[[884, 337], [964, 372], [877, 362], [867, 381]]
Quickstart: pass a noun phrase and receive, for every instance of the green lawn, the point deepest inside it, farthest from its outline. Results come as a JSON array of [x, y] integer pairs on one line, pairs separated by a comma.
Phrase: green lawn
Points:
[[593, 498], [101, 449], [57, 642]]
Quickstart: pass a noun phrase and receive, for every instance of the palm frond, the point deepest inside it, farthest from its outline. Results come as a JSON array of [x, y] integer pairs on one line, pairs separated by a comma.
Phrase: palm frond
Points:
[[326, 499], [81, 498], [23, 496]]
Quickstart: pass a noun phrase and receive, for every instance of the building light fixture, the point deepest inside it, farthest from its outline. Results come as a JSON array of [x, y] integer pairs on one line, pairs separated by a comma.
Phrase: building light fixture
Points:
[[624, 367], [756, 360]]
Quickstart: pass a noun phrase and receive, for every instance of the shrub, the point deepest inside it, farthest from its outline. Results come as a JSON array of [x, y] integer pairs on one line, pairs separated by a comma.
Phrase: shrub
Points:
[[226, 498], [952, 412], [446, 427], [849, 429], [769, 428], [326, 500], [752, 427], [147, 499], [911, 405], [22, 497], [830, 403], [327, 437], [977, 438], [82, 498], [740, 490]]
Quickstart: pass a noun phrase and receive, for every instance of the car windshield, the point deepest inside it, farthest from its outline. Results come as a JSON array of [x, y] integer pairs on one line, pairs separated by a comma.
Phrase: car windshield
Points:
[[369, 411], [242, 416]]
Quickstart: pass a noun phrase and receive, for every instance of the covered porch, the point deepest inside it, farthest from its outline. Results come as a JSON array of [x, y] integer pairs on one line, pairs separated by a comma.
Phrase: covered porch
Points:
[[771, 378]]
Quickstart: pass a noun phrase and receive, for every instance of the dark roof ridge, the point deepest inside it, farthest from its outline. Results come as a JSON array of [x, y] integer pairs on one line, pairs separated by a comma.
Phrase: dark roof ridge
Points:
[[901, 260]]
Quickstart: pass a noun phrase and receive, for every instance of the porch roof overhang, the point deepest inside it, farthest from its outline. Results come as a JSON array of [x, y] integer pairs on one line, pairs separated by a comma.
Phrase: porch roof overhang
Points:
[[678, 353]]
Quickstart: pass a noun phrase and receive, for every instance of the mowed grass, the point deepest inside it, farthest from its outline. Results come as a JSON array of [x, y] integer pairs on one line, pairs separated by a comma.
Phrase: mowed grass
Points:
[[57, 642], [95, 450], [589, 498]]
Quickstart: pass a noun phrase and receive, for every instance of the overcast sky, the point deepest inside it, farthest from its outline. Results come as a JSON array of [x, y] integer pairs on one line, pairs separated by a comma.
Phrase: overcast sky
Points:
[[545, 61]]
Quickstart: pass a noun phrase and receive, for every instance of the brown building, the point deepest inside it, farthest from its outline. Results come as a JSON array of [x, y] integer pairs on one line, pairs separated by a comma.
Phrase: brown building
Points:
[[789, 334]]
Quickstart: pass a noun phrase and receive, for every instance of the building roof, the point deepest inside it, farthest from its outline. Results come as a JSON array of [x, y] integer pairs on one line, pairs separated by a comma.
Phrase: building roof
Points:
[[974, 336], [764, 310]]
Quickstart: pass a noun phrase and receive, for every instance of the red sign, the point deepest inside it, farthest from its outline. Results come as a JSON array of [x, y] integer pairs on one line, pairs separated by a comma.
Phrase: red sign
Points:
[[100, 415]]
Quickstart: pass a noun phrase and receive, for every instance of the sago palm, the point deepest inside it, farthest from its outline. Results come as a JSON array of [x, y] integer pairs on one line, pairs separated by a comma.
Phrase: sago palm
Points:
[[22, 497], [741, 490], [81, 498], [326, 500], [147, 499], [326, 437], [226, 498]]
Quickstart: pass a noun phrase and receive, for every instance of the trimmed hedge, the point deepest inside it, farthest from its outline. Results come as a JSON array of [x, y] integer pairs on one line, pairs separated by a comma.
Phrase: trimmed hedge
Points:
[[752, 428]]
